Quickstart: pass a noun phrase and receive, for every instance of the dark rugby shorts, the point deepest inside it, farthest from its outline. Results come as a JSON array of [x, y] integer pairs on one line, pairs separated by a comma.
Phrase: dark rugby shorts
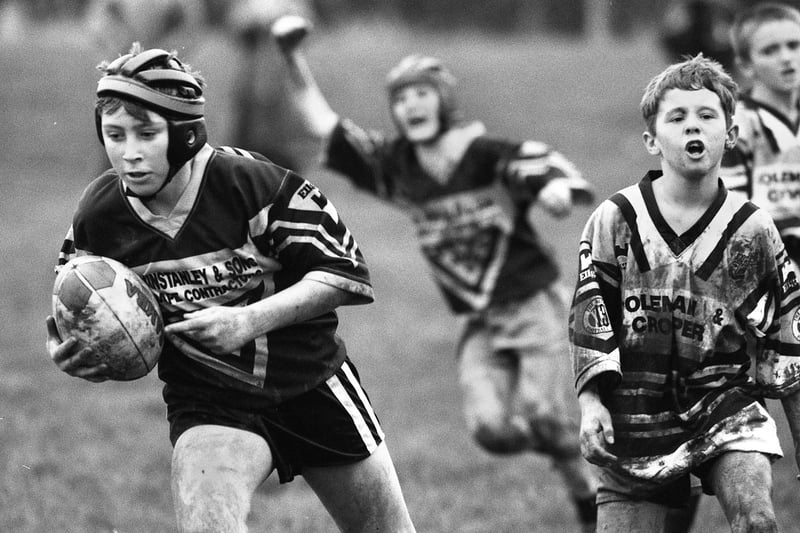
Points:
[[331, 425]]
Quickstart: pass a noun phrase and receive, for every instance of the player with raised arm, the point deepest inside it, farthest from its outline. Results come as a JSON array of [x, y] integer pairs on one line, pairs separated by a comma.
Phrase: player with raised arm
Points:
[[681, 285], [469, 196], [248, 262]]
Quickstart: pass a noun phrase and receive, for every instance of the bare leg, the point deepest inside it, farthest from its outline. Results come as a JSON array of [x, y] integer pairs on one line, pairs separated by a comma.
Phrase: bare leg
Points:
[[215, 471], [364, 496], [631, 517], [743, 484], [488, 383]]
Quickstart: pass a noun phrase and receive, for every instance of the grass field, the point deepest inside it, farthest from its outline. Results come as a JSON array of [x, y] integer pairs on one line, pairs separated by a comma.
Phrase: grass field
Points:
[[80, 457]]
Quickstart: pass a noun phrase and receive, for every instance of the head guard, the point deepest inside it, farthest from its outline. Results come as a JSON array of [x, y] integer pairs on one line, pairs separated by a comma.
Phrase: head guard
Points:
[[424, 69], [150, 78]]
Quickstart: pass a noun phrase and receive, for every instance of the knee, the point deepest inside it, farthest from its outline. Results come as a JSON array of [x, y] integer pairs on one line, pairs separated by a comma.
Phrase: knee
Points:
[[554, 437], [505, 439], [205, 506], [759, 521]]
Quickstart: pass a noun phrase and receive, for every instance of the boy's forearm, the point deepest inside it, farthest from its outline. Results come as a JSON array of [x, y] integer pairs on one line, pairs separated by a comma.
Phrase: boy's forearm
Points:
[[318, 117], [589, 395], [302, 301]]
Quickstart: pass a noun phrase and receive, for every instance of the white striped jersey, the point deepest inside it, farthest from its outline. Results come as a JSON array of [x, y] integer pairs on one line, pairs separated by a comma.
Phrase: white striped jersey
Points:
[[663, 322], [243, 230], [765, 167], [471, 228]]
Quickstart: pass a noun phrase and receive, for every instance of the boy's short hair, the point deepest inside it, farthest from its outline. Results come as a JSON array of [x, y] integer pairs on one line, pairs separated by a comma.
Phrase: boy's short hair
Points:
[[692, 74], [749, 20]]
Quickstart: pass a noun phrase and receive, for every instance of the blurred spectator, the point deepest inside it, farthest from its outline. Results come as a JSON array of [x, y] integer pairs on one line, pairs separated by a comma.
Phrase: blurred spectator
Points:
[[692, 26]]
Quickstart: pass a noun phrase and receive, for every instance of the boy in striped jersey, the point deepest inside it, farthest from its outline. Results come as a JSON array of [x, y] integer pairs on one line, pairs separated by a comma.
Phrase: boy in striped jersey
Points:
[[681, 284], [469, 195], [765, 165], [249, 262]]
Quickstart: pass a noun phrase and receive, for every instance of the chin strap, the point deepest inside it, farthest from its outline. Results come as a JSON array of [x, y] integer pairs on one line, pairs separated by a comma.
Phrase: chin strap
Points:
[[170, 175]]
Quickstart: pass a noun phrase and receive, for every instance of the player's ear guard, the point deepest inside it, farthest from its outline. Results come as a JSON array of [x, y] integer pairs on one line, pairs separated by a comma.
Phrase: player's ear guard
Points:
[[186, 138]]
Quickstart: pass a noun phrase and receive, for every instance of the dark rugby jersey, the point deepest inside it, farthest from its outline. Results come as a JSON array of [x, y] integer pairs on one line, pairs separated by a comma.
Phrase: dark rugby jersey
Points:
[[661, 321], [243, 230], [472, 229]]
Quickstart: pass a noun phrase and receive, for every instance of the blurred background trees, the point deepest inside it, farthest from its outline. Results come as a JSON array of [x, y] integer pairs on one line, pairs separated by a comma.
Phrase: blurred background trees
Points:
[[568, 17]]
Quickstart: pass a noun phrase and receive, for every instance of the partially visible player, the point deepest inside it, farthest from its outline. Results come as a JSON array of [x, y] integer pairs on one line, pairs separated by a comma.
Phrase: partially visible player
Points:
[[469, 195], [765, 164], [248, 261], [680, 285]]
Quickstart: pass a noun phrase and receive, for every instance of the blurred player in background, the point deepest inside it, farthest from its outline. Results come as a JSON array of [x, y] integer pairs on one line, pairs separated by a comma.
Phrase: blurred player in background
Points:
[[469, 195], [249, 262], [681, 285], [765, 164]]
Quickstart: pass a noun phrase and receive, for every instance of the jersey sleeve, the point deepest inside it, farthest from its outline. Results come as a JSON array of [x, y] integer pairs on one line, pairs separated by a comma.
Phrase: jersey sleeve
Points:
[[67, 250], [310, 239], [360, 156], [595, 313], [775, 318], [533, 164]]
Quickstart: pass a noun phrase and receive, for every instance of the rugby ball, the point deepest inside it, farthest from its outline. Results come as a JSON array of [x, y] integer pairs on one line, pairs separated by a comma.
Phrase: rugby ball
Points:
[[105, 305]]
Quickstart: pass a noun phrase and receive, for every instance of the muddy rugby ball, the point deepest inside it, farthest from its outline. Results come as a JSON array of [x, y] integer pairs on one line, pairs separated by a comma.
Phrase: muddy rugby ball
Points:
[[105, 305]]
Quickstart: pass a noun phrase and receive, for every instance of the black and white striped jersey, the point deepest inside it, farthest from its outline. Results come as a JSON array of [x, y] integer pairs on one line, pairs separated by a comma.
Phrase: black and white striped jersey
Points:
[[667, 324], [243, 230]]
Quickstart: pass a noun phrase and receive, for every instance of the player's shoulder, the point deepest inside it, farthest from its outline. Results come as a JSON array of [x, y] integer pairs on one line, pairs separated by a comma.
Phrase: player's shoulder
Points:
[[101, 190], [237, 165], [746, 116], [250, 176]]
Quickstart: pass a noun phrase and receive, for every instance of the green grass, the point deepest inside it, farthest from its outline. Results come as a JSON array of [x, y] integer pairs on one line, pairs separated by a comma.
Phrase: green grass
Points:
[[80, 457]]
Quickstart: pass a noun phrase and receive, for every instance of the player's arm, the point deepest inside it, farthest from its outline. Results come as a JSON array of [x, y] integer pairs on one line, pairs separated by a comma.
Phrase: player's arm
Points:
[[778, 368], [596, 430], [549, 177], [224, 329], [305, 95], [591, 330]]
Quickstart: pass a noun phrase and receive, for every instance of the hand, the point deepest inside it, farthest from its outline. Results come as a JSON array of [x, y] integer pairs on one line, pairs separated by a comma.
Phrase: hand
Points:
[[71, 358], [556, 197], [596, 432], [289, 31], [221, 330]]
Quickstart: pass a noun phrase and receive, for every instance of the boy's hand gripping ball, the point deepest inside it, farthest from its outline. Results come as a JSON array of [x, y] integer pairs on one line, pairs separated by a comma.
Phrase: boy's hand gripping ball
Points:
[[105, 305]]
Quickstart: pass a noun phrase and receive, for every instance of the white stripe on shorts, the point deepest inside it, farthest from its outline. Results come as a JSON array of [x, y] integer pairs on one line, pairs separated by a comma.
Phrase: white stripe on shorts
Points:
[[344, 398], [364, 400]]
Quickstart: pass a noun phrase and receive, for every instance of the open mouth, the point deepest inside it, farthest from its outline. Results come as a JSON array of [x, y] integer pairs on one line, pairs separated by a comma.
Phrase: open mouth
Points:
[[416, 121], [695, 148]]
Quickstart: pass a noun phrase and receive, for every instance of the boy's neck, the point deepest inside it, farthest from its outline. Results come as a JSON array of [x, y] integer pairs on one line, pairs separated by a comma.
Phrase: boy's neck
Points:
[[784, 102], [688, 190], [683, 200], [165, 201]]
